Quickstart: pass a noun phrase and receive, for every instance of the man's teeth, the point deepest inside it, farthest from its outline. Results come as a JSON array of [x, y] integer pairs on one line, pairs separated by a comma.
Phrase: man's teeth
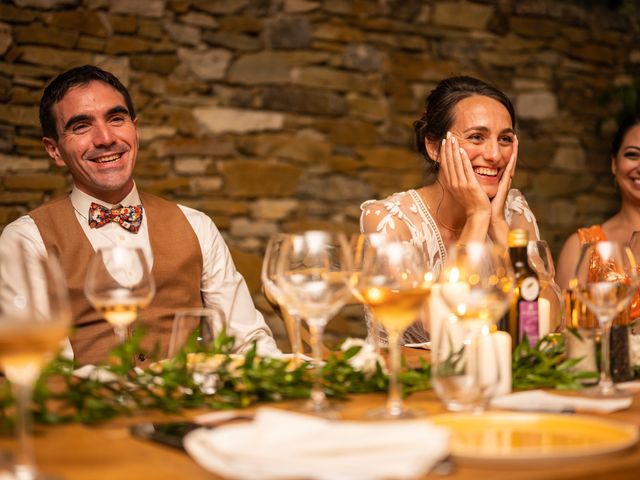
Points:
[[110, 158], [492, 172]]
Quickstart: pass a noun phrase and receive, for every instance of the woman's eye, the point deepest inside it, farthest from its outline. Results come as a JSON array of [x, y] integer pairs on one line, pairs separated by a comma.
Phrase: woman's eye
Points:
[[632, 155], [475, 137], [506, 139]]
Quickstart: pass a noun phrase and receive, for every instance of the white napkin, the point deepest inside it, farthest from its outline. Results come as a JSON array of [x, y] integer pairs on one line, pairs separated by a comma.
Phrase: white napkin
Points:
[[284, 445], [539, 400]]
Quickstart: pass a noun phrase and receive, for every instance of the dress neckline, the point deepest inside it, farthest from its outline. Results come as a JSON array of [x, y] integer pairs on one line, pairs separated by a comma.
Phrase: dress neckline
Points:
[[424, 211]]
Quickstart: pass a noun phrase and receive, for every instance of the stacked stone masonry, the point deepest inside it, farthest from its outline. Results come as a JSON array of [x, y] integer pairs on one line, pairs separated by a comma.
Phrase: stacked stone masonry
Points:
[[281, 115]]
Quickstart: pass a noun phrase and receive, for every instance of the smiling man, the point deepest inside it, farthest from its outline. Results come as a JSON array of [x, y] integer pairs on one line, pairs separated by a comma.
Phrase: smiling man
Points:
[[89, 124]]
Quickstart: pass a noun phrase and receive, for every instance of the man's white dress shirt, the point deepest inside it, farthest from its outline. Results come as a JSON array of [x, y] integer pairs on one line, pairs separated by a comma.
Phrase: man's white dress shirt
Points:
[[221, 285]]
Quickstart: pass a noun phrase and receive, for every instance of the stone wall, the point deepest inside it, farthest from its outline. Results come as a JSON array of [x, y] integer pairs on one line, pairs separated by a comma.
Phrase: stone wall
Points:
[[278, 115]]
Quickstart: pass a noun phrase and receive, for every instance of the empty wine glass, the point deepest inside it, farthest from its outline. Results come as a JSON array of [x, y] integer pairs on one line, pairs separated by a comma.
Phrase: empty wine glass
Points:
[[119, 284], [606, 278], [312, 273], [276, 298], [205, 323], [476, 285], [634, 245], [35, 316], [394, 281], [541, 261]]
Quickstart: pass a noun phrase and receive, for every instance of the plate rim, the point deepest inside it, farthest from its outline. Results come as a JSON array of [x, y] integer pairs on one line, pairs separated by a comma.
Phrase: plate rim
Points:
[[630, 429]]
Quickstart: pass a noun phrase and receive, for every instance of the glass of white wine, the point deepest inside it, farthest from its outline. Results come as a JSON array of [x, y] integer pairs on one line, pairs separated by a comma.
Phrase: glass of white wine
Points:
[[312, 273], [118, 284], [476, 286], [605, 280], [394, 281], [35, 317]]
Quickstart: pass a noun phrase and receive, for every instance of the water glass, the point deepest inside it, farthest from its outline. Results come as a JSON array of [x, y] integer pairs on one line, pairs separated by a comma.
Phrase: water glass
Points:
[[465, 364]]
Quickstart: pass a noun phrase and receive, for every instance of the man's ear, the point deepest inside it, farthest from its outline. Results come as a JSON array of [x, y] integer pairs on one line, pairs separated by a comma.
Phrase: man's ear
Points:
[[432, 149], [51, 146]]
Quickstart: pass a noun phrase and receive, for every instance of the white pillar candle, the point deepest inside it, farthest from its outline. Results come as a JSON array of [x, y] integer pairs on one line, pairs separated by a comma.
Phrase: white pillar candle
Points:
[[544, 317]]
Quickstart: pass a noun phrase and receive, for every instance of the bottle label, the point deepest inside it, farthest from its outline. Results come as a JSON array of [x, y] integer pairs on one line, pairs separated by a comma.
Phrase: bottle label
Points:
[[528, 315], [529, 289]]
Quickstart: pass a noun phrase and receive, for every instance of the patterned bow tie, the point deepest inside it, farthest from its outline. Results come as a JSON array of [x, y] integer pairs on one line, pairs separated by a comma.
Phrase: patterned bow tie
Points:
[[129, 217]]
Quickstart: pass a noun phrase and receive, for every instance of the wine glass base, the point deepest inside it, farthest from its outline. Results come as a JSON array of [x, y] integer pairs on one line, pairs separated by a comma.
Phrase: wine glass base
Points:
[[24, 472], [609, 392], [384, 413], [326, 409]]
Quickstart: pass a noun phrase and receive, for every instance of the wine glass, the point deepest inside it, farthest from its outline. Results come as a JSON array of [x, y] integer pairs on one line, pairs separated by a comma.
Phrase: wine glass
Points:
[[205, 323], [118, 284], [35, 316], [541, 261], [605, 280], [476, 285], [634, 245], [394, 282], [360, 245], [276, 298], [312, 273]]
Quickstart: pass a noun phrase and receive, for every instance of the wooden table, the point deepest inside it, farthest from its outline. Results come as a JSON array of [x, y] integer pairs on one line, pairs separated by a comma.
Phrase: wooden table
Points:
[[108, 452]]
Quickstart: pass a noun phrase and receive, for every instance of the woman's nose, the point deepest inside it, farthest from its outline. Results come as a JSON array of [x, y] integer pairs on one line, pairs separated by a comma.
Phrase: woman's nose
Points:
[[492, 151]]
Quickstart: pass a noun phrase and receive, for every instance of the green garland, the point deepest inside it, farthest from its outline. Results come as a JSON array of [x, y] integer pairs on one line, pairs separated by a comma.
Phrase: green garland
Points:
[[171, 386]]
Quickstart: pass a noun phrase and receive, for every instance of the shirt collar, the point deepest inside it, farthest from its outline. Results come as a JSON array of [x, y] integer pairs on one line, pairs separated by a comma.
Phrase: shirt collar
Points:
[[82, 201]]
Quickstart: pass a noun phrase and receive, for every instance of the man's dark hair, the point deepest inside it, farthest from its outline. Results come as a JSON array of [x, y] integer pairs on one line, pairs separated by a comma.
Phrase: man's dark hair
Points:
[[59, 86]]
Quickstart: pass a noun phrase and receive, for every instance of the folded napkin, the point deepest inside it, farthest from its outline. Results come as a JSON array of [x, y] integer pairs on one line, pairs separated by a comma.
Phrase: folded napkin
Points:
[[284, 445], [539, 400]]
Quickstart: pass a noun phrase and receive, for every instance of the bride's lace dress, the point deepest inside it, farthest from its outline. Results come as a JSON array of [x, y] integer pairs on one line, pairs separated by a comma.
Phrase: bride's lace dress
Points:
[[409, 209]]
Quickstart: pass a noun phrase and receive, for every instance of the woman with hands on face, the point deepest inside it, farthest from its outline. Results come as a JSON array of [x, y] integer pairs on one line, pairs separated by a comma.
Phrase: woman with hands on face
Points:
[[467, 137]]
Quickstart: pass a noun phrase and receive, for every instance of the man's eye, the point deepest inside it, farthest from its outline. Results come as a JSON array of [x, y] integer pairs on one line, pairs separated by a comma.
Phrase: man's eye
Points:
[[118, 119], [80, 127]]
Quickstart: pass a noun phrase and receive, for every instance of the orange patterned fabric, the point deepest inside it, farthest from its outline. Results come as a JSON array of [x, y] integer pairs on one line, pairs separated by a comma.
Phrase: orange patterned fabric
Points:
[[595, 233]]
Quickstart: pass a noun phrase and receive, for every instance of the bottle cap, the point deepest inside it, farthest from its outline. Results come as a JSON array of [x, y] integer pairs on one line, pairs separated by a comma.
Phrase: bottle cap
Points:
[[518, 237]]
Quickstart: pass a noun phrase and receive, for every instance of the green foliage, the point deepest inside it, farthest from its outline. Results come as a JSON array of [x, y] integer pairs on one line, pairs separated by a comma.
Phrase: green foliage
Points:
[[176, 384], [545, 366]]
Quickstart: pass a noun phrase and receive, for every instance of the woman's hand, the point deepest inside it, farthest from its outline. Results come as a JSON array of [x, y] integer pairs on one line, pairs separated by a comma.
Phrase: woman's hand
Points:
[[460, 179], [498, 228]]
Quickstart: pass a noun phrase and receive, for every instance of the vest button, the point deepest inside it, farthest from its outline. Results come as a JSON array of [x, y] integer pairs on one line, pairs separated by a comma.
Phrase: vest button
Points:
[[141, 357]]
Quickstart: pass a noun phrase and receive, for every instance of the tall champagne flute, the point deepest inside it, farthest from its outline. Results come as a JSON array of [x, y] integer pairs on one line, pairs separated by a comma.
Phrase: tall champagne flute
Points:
[[476, 285], [119, 284], [312, 272], [605, 280], [394, 282], [35, 316], [275, 296], [541, 260]]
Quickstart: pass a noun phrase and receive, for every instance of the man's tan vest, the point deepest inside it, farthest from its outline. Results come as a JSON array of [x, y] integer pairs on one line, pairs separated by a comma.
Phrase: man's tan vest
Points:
[[177, 270]]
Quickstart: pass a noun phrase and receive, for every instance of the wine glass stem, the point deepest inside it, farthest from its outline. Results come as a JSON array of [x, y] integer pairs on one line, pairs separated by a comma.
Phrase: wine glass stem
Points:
[[394, 402], [605, 384], [122, 334], [318, 396], [25, 458], [296, 341]]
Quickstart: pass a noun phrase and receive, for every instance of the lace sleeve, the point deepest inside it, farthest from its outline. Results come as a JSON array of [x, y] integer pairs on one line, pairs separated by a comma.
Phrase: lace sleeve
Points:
[[384, 216], [518, 214]]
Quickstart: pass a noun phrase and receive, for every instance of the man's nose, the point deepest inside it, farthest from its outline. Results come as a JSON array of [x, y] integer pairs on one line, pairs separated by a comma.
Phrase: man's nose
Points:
[[102, 135]]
